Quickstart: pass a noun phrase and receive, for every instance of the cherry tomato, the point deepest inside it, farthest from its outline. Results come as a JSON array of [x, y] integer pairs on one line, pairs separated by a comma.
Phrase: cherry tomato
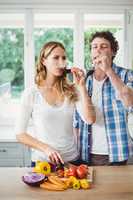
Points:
[[72, 171], [82, 171], [60, 173]]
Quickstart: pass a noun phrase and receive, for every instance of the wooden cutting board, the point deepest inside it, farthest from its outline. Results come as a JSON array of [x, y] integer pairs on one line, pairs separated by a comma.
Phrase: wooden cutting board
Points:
[[90, 175]]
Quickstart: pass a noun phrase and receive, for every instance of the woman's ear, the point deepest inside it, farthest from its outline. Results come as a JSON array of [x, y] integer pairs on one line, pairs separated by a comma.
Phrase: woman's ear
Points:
[[43, 61]]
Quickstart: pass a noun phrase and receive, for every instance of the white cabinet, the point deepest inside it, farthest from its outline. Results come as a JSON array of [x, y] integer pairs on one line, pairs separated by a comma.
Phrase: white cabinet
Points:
[[14, 154]]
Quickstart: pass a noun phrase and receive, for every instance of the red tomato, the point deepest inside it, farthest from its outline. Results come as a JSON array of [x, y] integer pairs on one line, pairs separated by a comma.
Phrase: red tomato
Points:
[[84, 166], [72, 171], [82, 171], [60, 173]]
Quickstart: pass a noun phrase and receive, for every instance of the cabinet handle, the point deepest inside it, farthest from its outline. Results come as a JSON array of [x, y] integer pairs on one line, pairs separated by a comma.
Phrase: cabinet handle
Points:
[[3, 150]]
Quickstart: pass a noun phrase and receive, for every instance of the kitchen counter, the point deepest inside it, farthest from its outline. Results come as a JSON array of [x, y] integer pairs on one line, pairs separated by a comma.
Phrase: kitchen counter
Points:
[[110, 183]]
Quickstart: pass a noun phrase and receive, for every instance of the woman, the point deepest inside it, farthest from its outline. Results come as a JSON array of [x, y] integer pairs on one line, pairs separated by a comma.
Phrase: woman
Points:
[[51, 104]]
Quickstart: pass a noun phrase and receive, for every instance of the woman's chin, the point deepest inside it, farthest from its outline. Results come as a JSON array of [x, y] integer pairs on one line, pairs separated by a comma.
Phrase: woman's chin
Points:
[[59, 73]]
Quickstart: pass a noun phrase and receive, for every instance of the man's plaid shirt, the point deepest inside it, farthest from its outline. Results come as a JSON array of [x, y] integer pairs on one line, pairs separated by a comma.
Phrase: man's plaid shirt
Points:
[[115, 118]]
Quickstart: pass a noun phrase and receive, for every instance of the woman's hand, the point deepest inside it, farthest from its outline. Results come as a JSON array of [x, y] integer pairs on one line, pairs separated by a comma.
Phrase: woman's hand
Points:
[[53, 155], [78, 76]]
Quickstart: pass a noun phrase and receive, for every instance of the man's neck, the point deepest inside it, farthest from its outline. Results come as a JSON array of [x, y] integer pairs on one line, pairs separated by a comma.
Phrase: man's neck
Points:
[[99, 75]]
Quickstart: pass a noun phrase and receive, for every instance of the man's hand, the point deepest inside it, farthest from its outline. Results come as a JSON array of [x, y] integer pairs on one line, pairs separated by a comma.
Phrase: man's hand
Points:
[[104, 62], [126, 95]]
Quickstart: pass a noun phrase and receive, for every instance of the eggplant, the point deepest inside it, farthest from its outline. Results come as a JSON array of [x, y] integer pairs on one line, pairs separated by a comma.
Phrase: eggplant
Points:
[[34, 179]]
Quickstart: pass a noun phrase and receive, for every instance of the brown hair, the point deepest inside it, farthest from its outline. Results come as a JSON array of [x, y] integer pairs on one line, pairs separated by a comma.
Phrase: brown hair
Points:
[[67, 89], [108, 36]]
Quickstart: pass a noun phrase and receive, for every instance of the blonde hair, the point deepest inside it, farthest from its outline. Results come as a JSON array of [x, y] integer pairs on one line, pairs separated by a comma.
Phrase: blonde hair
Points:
[[66, 88]]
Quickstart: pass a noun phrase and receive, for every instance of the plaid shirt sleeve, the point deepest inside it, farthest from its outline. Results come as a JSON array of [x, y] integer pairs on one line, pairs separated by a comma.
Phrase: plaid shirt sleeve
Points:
[[76, 119], [129, 83]]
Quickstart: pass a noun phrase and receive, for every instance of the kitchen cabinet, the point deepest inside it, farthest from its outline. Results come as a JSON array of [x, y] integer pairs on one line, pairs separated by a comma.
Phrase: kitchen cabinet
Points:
[[14, 154]]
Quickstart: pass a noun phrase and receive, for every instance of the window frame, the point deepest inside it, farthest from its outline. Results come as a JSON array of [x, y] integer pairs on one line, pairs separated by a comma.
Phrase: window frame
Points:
[[78, 12]]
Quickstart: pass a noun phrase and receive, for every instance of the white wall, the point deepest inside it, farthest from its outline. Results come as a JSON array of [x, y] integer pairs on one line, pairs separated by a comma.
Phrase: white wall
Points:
[[77, 3], [102, 6], [105, 2]]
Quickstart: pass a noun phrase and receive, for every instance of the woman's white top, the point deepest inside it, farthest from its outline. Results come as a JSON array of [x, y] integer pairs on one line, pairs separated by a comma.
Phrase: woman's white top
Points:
[[52, 124], [99, 137]]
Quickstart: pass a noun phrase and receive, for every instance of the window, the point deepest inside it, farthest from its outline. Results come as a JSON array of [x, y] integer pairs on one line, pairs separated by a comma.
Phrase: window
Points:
[[22, 35], [54, 27], [11, 61], [99, 22], [12, 52]]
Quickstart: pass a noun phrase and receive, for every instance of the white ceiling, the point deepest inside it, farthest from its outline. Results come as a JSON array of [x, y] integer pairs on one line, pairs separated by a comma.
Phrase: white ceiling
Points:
[[81, 2]]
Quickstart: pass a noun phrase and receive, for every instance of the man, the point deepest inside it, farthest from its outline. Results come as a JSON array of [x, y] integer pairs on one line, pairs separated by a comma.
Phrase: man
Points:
[[106, 142]]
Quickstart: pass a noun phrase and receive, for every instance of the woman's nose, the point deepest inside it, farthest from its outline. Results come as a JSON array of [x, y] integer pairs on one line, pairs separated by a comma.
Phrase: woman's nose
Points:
[[62, 63]]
